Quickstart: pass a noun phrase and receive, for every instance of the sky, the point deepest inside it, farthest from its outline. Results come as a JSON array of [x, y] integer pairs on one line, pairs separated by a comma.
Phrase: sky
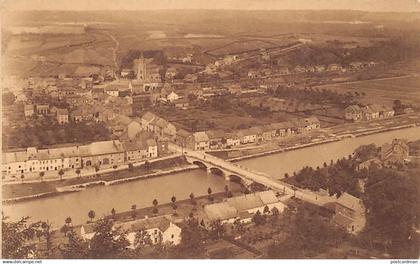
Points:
[[366, 5]]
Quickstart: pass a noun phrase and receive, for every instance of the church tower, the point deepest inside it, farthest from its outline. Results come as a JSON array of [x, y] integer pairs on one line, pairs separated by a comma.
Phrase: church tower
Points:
[[141, 68]]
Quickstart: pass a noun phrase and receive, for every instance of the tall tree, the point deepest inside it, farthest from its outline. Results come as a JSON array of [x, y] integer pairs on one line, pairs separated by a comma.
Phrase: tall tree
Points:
[[108, 242], [393, 211], [15, 237], [61, 173], [91, 215], [191, 245], [307, 235], [75, 248], [78, 172], [41, 175]]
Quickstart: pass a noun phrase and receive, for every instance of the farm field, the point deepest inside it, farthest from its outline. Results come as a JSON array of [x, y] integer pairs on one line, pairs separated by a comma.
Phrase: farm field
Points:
[[383, 91]]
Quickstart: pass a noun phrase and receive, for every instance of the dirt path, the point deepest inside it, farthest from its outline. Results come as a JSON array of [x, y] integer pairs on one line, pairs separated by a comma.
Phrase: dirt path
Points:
[[115, 49]]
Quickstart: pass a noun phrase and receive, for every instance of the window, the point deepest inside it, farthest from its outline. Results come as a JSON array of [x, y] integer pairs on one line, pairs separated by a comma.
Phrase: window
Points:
[[172, 236], [155, 231]]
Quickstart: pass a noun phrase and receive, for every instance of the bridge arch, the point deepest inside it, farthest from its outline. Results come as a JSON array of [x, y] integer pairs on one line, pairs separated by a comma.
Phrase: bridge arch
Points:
[[200, 164], [235, 178], [217, 171]]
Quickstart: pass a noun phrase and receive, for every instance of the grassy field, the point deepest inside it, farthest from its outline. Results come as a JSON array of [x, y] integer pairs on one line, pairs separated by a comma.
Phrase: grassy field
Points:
[[383, 91]]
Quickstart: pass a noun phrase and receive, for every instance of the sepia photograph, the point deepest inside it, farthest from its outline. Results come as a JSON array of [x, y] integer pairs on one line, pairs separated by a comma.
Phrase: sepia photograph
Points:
[[226, 129]]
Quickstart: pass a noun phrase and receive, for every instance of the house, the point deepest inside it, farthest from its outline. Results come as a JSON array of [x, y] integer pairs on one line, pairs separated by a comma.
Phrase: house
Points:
[[356, 65], [234, 89], [282, 129], [216, 138], [198, 141], [370, 113], [349, 213], [395, 153], [181, 103], [268, 132], [223, 212], [243, 207], [161, 230], [299, 69], [29, 110], [146, 120], [258, 132], [319, 68], [353, 113], [162, 146], [312, 123], [62, 116], [182, 136], [152, 148], [133, 128], [170, 73], [135, 150], [247, 136], [232, 140], [126, 73], [172, 97], [87, 231], [42, 109], [253, 74], [369, 163], [14, 162], [105, 154], [386, 112], [334, 67], [162, 128]]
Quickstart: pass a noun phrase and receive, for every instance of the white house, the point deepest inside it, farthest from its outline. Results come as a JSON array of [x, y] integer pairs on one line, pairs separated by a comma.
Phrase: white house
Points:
[[86, 231], [160, 229], [172, 96], [152, 148]]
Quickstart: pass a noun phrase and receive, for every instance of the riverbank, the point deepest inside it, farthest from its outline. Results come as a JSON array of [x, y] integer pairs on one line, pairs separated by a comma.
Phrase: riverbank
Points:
[[245, 154], [28, 191]]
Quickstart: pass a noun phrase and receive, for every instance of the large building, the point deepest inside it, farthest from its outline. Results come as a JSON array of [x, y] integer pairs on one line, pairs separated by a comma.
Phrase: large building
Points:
[[147, 73], [243, 207], [101, 154]]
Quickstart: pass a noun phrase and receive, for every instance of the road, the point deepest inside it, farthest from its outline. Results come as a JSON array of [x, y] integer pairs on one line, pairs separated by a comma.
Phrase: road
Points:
[[114, 50]]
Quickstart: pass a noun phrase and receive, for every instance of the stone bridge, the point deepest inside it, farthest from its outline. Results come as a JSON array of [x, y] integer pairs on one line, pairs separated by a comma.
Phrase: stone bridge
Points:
[[237, 173]]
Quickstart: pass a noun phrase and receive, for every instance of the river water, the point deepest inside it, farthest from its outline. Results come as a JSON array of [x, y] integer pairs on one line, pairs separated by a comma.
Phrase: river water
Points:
[[102, 199], [276, 165]]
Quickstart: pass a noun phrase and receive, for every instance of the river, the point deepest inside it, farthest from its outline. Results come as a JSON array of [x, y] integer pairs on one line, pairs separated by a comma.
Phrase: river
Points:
[[102, 199], [276, 165]]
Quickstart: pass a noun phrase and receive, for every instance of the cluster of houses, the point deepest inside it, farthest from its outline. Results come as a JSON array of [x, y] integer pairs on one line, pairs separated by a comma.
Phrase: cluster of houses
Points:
[[216, 139], [103, 154], [368, 112], [390, 155], [348, 213], [283, 70], [60, 114], [159, 230]]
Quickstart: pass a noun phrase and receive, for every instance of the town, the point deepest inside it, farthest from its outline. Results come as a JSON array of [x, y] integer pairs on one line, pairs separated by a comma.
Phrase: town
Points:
[[231, 145]]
